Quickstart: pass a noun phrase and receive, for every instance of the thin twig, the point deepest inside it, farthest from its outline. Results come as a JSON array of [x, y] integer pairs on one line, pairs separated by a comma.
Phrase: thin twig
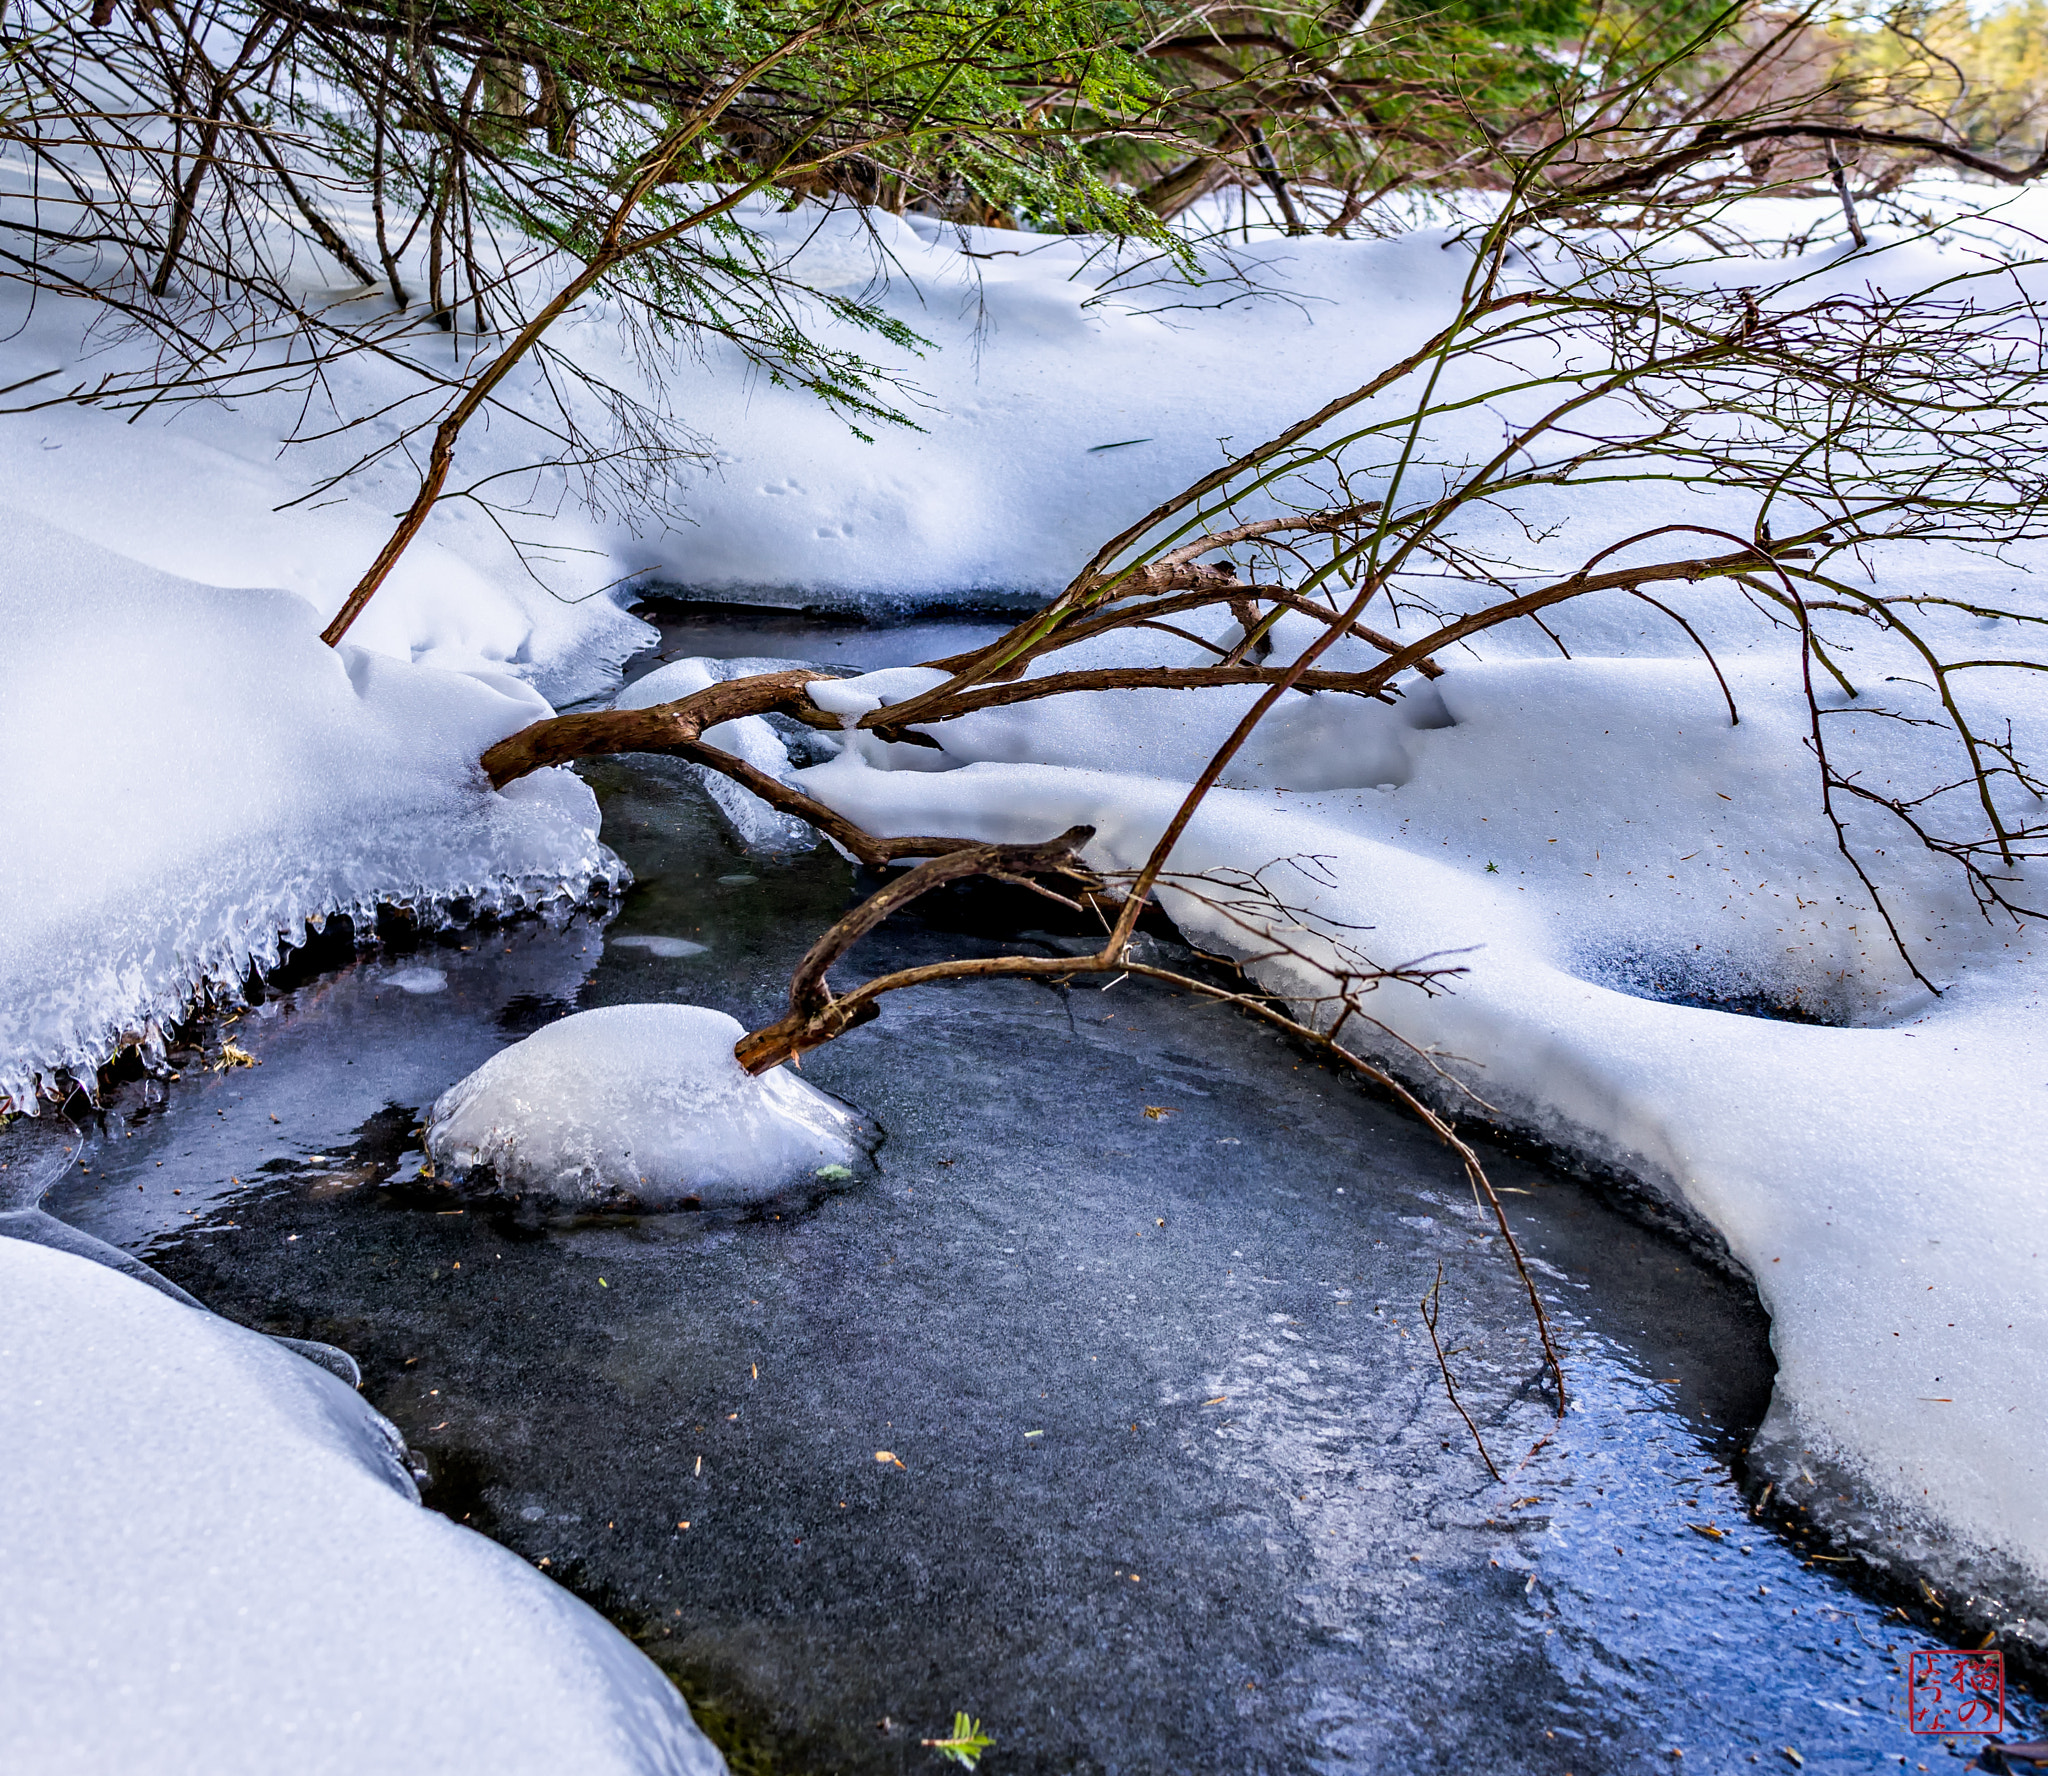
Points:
[[1431, 1307]]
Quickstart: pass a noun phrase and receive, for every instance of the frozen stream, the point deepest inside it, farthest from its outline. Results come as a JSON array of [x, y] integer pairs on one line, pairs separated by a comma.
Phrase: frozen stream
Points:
[[1171, 1480]]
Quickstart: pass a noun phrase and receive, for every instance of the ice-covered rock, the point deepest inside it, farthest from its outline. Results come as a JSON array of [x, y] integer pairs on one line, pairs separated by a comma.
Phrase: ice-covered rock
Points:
[[640, 1105], [215, 1561]]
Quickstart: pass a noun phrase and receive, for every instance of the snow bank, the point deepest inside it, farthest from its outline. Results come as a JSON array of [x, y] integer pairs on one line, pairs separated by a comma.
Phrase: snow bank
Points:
[[191, 774], [213, 495], [214, 1561], [1059, 399], [1066, 386], [1587, 826], [639, 1106]]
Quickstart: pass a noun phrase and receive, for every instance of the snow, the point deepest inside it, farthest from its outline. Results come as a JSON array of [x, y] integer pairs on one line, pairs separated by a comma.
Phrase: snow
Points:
[[640, 1105], [989, 494], [215, 1560], [190, 775], [217, 495], [1045, 353], [193, 776]]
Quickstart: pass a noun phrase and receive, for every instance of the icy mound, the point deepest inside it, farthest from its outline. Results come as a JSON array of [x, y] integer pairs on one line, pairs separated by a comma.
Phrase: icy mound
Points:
[[194, 774], [215, 1560], [639, 1105]]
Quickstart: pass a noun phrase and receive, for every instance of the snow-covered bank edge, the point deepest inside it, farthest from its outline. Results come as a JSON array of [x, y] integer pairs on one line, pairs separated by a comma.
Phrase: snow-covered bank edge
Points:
[[194, 781], [217, 982], [216, 1559]]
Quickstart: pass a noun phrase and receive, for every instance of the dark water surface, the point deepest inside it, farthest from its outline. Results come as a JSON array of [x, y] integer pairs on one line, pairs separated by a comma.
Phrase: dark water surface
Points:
[[1171, 1480]]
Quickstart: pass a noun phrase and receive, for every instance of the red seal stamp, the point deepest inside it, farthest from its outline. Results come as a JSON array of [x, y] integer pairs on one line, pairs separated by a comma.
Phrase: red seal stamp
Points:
[[1955, 1692]]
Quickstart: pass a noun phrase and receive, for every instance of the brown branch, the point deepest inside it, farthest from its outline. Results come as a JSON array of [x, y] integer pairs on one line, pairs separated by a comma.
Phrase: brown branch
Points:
[[939, 708], [1249, 532], [1714, 140], [599, 732], [862, 844], [940, 705], [1427, 665], [678, 727], [1621, 579], [801, 1029], [815, 1017], [676, 730]]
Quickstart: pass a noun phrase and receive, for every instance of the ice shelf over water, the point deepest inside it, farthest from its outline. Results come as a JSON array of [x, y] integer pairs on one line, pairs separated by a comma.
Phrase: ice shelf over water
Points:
[[640, 1105], [215, 1562], [192, 774]]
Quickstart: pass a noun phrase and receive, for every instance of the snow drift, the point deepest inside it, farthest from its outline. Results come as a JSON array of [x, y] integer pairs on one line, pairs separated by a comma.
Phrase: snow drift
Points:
[[278, 1600], [192, 777]]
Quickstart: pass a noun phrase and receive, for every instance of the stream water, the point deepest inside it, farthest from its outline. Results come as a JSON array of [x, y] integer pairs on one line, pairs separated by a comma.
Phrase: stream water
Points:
[[1103, 1411]]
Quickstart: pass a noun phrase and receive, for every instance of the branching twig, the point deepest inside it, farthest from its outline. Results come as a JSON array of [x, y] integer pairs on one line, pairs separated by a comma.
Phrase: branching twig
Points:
[[1431, 1308]]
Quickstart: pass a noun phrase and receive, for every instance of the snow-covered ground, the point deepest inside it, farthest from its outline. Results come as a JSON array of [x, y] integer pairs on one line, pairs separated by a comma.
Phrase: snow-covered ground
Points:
[[1059, 395], [215, 1560], [189, 774]]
